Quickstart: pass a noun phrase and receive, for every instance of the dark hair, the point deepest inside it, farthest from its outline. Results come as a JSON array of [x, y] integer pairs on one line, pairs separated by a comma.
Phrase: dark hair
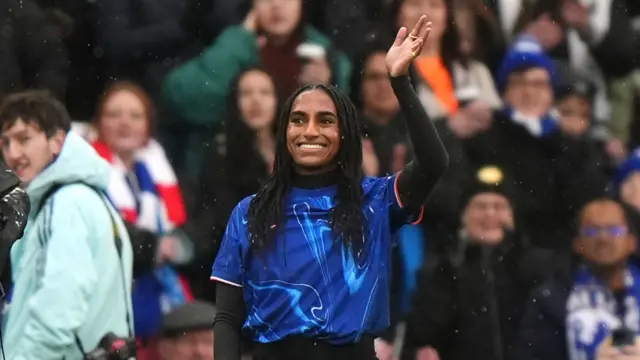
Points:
[[239, 138], [38, 107], [450, 42], [266, 211]]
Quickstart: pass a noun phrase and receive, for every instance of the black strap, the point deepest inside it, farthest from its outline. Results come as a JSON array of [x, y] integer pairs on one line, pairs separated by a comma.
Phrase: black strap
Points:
[[117, 241]]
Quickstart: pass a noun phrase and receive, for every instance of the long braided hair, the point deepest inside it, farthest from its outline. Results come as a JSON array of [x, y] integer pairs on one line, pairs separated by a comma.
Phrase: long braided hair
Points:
[[266, 211]]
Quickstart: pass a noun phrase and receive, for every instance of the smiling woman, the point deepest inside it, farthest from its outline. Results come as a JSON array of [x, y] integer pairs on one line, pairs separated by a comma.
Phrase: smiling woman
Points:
[[303, 267]]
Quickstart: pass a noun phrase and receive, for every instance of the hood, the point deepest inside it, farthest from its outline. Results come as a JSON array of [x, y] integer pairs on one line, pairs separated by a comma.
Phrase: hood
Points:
[[77, 162]]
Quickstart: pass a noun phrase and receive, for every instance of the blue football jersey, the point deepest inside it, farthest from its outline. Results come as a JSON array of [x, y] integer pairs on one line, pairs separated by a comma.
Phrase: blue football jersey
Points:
[[307, 283]]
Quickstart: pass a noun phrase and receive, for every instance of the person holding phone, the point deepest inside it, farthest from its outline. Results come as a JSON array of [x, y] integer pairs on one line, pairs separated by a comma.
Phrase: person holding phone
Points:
[[590, 309], [274, 36]]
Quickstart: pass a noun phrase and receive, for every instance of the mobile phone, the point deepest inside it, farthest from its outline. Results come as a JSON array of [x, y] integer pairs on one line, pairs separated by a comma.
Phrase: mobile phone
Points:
[[466, 95], [309, 51], [623, 337]]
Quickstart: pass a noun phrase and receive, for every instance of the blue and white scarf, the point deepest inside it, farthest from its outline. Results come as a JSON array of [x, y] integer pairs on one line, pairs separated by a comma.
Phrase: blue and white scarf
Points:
[[592, 309], [538, 127]]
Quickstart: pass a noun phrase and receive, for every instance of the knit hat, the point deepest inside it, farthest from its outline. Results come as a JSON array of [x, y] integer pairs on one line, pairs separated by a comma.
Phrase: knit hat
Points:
[[568, 82], [488, 179], [196, 315], [526, 53], [628, 168]]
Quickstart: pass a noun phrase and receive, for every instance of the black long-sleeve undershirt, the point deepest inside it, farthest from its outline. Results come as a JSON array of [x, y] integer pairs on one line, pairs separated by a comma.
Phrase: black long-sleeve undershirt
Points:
[[230, 316], [430, 158], [415, 183]]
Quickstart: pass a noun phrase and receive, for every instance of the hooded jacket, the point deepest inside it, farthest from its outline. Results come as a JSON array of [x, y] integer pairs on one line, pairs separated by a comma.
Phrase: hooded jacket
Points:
[[67, 274]]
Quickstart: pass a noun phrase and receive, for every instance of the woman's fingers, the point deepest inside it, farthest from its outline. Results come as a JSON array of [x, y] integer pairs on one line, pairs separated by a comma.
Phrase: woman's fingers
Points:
[[401, 36], [415, 32], [426, 29], [417, 46]]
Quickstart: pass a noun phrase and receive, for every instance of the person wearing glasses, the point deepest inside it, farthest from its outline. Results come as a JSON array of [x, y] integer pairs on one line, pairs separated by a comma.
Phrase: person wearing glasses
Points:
[[590, 311]]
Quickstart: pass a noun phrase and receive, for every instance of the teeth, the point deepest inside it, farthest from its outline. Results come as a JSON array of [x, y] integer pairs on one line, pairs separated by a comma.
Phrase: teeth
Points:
[[311, 146]]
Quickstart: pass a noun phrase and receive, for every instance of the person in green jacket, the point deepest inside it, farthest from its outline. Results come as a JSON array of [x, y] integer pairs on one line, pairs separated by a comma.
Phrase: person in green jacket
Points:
[[270, 37]]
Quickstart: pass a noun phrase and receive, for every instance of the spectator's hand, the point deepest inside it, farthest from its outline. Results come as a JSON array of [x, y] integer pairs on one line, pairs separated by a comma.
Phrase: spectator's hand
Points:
[[576, 15], [460, 125], [475, 117], [630, 191], [384, 350], [251, 22], [370, 165], [315, 71], [167, 249], [616, 150], [548, 32], [480, 113], [251, 25], [406, 47]]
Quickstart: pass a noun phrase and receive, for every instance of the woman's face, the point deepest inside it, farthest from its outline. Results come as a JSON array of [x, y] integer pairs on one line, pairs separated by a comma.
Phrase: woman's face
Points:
[[313, 133], [124, 123], [257, 100], [377, 94], [278, 17], [486, 216], [436, 10]]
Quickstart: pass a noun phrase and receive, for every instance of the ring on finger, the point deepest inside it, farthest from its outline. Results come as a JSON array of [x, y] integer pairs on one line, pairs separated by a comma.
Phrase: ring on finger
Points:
[[413, 37]]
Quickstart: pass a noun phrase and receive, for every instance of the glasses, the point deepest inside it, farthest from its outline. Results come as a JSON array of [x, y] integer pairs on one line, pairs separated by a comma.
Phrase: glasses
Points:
[[613, 231]]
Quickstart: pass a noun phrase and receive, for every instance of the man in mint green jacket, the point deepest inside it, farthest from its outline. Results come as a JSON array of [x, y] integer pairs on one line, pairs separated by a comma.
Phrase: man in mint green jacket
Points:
[[68, 279]]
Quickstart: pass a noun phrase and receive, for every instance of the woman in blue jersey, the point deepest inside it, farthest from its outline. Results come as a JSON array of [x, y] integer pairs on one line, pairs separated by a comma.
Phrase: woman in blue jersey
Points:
[[303, 270]]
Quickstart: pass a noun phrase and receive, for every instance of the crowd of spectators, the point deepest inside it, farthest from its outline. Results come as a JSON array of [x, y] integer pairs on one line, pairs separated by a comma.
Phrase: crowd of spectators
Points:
[[535, 101]]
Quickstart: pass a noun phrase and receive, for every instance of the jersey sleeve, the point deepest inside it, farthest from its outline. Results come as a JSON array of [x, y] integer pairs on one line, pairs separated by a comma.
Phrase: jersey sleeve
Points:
[[227, 268], [386, 188]]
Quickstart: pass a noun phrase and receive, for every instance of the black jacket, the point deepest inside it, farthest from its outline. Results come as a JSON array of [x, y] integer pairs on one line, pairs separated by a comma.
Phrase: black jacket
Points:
[[468, 306], [554, 176]]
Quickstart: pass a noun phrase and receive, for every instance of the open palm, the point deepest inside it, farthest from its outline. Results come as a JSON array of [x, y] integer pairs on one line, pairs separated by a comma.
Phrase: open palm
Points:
[[407, 46]]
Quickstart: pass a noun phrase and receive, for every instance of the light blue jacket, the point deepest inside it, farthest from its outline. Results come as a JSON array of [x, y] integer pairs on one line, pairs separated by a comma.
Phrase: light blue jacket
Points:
[[66, 269]]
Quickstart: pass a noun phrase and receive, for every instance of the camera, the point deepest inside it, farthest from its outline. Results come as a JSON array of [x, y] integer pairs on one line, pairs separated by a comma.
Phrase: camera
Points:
[[112, 347]]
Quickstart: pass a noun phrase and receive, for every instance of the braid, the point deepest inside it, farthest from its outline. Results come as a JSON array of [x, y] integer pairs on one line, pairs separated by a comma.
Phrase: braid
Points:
[[266, 211]]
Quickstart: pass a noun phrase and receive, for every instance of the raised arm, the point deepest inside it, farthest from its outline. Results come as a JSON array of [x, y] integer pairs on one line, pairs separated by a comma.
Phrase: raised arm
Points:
[[430, 160]]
